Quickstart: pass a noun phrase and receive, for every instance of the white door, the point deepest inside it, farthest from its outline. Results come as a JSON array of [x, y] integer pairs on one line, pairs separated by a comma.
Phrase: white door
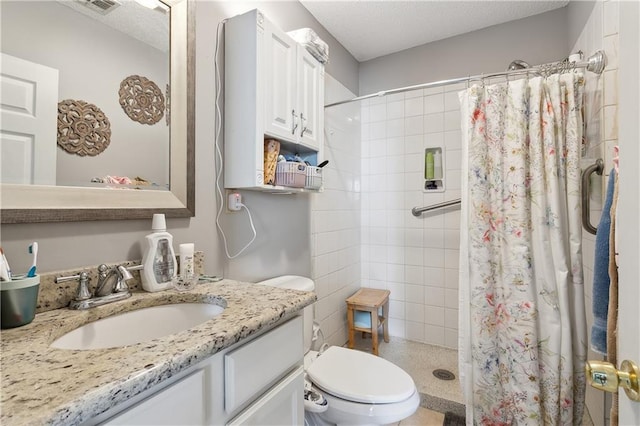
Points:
[[279, 83], [28, 117], [628, 209], [310, 93]]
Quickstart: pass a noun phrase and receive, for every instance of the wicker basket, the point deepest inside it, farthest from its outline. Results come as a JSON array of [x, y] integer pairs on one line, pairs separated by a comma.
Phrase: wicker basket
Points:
[[271, 151], [314, 178], [291, 174]]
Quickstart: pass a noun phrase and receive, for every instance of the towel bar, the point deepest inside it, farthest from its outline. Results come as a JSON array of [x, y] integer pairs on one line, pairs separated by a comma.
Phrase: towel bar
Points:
[[597, 168], [417, 211]]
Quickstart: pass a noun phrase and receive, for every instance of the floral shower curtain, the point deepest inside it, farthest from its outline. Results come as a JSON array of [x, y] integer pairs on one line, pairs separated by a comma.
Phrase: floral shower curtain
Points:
[[522, 323]]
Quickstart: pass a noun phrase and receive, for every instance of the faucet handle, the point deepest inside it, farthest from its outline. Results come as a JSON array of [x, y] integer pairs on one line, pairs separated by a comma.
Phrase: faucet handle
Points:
[[121, 284], [82, 293]]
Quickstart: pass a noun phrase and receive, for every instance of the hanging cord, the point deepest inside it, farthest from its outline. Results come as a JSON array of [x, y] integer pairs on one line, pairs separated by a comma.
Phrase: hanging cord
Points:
[[218, 126]]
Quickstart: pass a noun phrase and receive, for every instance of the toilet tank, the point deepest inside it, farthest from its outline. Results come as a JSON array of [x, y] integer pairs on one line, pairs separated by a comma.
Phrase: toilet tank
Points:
[[295, 282]]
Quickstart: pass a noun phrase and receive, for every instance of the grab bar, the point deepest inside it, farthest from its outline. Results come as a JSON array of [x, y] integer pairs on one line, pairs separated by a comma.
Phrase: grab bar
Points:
[[417, 211], [598, 167]]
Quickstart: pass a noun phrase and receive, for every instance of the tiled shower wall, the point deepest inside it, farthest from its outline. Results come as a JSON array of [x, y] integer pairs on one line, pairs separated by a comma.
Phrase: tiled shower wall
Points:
[[335, 216], [416, 258], [601, 100]]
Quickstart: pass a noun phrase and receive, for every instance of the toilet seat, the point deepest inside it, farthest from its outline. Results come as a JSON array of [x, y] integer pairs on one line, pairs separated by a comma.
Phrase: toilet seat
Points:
[[360, 377], [342, 412]]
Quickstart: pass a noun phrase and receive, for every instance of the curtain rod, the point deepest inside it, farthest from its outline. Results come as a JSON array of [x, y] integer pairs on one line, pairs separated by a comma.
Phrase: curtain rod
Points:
[[595, 63]]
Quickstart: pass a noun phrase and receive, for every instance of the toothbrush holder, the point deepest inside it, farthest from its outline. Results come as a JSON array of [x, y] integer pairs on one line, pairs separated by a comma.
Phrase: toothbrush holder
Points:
[[18, 301]]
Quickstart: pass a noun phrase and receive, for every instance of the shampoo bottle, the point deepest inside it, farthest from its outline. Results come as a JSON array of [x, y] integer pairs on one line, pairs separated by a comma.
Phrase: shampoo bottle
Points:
[[428, 165], [159, 260], [437, 165]]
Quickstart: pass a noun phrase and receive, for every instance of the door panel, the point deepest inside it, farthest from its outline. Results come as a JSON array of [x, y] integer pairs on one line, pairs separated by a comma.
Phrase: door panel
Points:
[[28, 114]]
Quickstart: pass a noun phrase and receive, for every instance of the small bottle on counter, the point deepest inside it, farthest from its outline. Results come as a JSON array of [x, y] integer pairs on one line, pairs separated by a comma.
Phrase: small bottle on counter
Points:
[[187, 268], [159, 260]]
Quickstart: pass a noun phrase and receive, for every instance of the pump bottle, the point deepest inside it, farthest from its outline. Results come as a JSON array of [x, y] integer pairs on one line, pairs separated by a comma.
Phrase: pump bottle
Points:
[[159, 260]]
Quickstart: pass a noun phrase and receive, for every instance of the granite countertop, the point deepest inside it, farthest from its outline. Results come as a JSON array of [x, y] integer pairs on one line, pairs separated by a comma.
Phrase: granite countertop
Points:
[[43, 385]]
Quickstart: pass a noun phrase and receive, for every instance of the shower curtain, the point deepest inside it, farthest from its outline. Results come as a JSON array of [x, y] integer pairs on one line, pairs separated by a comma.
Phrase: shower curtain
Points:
[[522, 322]]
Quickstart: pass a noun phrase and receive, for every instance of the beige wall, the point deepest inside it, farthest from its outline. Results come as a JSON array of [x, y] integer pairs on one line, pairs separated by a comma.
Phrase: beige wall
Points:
[[536, 39]]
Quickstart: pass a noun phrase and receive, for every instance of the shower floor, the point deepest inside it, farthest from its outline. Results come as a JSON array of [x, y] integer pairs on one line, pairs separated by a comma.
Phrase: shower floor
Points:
[[419, 360]]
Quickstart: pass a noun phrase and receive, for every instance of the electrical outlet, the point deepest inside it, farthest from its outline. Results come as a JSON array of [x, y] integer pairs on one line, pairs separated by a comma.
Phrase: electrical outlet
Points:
[[234, 203]]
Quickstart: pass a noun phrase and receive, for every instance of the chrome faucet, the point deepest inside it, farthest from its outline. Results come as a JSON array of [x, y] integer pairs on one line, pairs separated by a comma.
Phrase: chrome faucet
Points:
[[112, 286]]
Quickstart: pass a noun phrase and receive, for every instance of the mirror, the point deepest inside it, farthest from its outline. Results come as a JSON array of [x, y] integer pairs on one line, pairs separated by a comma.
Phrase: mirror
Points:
[[172, 189]]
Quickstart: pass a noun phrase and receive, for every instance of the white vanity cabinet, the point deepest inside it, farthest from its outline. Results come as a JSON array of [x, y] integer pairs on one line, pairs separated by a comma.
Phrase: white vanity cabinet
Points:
[[259, 381], [274, 89]]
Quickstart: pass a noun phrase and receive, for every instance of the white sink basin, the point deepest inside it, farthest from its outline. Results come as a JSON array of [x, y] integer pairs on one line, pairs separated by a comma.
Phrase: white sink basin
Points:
[[138, 326]]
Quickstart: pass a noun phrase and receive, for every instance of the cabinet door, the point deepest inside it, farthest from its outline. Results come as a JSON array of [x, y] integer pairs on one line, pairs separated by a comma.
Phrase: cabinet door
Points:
[[310, 90], [281, 405], [179, 404], [279, 83]]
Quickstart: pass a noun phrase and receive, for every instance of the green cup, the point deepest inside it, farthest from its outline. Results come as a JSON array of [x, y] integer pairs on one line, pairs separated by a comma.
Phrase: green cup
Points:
[[18, 301]]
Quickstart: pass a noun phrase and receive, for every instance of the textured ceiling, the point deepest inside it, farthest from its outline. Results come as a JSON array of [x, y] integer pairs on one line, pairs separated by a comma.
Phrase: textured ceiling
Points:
[[146, 25], [369, 28]]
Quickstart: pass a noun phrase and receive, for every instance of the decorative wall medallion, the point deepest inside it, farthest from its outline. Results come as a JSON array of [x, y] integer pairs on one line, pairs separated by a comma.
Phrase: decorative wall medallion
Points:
[[83, 128], [141, 99]]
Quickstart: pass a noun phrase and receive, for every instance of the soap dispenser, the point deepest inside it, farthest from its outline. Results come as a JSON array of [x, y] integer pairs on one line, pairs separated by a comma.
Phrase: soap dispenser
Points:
[[159, 260]]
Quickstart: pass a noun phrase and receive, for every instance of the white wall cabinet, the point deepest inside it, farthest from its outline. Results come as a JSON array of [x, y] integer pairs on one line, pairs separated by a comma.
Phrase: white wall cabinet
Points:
[[259, 381], [274, 89]]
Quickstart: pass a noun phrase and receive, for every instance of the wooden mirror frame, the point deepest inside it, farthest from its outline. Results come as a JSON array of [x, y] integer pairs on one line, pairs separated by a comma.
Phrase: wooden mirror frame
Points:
[[39, 203]]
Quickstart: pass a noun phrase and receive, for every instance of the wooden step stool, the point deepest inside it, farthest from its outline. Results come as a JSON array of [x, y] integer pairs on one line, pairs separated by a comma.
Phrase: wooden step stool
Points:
[[369, 300]]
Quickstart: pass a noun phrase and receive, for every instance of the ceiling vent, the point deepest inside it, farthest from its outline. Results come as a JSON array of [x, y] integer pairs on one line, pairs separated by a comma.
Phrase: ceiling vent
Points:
[[102, 7]]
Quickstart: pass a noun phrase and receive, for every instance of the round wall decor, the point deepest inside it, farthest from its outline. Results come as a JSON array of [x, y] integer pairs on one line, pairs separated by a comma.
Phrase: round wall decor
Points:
[[83, 129], [141, 99]]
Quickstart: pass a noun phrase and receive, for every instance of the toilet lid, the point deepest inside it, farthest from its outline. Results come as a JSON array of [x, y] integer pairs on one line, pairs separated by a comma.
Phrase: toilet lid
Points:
[[360, 377]]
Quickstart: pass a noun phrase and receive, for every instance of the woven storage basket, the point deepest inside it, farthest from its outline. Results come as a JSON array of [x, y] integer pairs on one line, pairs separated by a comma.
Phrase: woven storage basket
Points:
[[271, 151], [313, 179], [291, 174]]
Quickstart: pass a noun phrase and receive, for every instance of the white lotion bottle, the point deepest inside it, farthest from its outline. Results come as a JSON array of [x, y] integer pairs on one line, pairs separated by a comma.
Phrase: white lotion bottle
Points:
[[187, 267], [159, 260]]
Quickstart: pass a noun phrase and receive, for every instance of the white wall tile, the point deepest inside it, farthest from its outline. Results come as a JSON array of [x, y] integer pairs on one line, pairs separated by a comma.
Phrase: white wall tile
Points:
[[395, 109], [450, 338], [415, 331], [415, 312], [400, 252], [452, 120], [378, 112], [413, 106], [434, 258], [434, 238], [451, 298], [610, 17], [413, 125], [433, 296], [451, 101], [610, 45], [434, 315], [434, 277], [434, 335], [434, 103], [434, 123], [413, 274]]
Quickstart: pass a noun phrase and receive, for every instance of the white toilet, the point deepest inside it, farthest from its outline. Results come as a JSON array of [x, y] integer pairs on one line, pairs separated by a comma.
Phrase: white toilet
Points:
[[360, 388]]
